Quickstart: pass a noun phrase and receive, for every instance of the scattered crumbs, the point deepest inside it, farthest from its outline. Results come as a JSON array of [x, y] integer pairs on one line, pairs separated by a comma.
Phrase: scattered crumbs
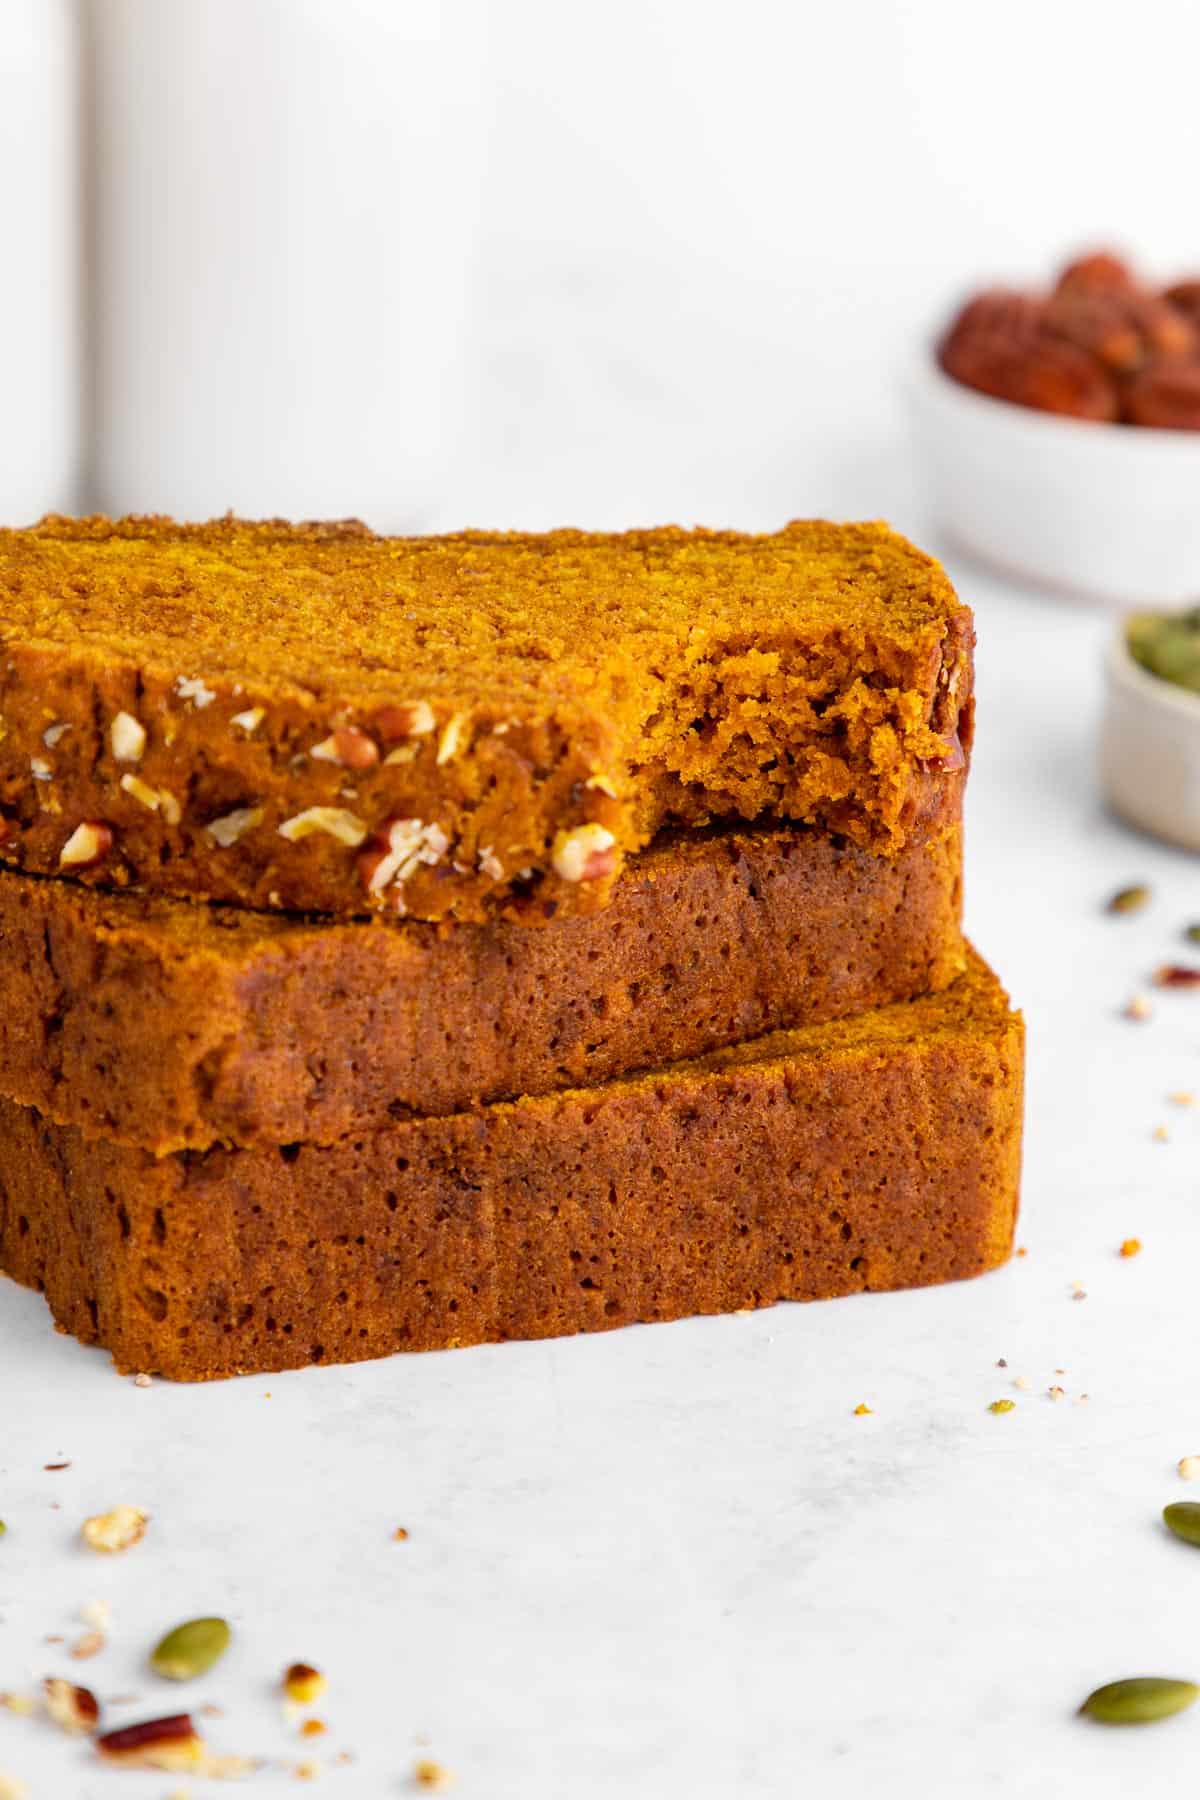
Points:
[[313, 1728], [53, 1468], [1131, 1246], [54, 1638], [1161, 1135], [23, 1706], [1137, 1007], [1002, 1406], [1056, 1392], [1078, 1291], [400, 1535], [1189, 1467], [1174, 975], [114, 1531], [303, 1684], [1021, 1250], [430, 1774], [1081, 1399], [143, 1381], [343, 1759], [97, 1614], [1182, 1097], [1023, 1382], [89, 1645], [861, 1409], [212, 1711], [307, 1771], [1002, 1362]]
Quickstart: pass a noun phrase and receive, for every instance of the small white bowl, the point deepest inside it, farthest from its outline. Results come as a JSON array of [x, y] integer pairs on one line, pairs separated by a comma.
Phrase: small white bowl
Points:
[[1150, 750], [1111, 512]]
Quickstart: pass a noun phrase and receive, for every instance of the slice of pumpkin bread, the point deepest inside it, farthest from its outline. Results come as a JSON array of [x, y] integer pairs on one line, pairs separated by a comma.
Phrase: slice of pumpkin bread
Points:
[[170, 1025], [313, 717], [881, 1151]]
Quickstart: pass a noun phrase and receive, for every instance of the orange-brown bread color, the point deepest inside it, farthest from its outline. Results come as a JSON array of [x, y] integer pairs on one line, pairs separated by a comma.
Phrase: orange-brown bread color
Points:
[[876, 1152], [316, 718], [169, 1025]]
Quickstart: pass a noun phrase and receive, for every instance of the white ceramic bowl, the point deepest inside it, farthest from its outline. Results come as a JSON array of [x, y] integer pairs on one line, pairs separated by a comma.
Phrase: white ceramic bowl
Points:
[[1150, 750], [1111, 512]]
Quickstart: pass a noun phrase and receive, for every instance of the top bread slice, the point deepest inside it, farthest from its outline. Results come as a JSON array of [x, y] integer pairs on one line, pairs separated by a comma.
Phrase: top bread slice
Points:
[[316, 718]]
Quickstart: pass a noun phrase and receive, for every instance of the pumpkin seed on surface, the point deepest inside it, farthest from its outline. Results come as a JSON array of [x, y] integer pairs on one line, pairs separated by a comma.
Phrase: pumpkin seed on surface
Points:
[[1139, 1701], [191, 1649], [1130, 899], [1183, 1518]]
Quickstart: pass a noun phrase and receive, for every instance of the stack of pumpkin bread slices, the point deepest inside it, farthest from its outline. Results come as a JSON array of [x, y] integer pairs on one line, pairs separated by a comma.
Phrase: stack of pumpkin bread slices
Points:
[[409, 943]]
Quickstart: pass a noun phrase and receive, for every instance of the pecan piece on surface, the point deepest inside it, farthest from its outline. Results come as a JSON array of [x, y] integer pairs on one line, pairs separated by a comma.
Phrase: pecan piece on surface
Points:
[[168, 1743], [74, 1709], [119, 1529]]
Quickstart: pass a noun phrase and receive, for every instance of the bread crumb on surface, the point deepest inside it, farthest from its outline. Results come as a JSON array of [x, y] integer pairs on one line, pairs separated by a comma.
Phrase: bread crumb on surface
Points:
[[430, 1774], [116, 1530]]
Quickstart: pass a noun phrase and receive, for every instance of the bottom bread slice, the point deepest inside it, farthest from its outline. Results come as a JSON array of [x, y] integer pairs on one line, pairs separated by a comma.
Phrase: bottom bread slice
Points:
[[881, 1151]]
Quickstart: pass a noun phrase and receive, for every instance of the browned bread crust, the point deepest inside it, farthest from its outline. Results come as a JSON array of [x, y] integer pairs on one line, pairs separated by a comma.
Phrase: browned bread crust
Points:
[[169, 1025], [316, 718], [876, 1152]]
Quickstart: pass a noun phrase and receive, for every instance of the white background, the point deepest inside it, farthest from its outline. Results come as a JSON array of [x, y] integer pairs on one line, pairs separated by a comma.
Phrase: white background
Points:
[[715, 234], [701, 241], [671, 1561]]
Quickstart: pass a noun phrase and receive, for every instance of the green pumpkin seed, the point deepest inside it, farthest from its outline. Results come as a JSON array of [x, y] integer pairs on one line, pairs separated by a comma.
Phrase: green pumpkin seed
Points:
[[1139, 1701], [1128, 900], [191, 1649], [1183, 1518], [1192, 934]]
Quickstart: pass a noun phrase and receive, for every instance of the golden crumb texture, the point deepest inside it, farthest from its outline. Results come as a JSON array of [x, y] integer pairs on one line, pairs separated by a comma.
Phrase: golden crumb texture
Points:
[[875, 1152], [316, 718]]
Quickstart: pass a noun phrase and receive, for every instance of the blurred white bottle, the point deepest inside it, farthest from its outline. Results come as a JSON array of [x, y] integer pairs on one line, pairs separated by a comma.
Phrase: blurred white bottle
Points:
[[40, 359], [287, 194]]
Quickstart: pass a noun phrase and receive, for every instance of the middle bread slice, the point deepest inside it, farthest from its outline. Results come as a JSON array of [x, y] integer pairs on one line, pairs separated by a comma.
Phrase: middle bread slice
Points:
[[173, 1026]]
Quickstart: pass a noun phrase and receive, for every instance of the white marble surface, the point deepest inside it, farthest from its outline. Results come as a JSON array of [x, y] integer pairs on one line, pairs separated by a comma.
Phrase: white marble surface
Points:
[[671, 1561]]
